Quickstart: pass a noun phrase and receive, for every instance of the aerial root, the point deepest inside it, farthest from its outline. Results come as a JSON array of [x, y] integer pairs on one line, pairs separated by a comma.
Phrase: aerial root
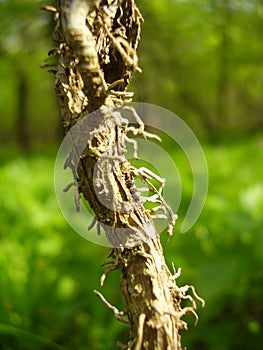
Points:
[[134, 146], [69, 164], [176, 274], [145, 134], [122, 93], [147, 175], [179, 314], [77, 199], [49, 8], [76, 194], [68, 187], [93, 223], [139, 339], [115, 83], [181, 293], [183, 290], [118, 314], [52, 9], [189, 309], [127, 52], [186, 310], [124, 48], [140, 130], [115, 266]]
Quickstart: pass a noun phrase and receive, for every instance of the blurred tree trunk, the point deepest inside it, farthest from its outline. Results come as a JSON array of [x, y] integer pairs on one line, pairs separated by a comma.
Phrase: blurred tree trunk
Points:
[[22, 127], [224, 83], [97, 55]]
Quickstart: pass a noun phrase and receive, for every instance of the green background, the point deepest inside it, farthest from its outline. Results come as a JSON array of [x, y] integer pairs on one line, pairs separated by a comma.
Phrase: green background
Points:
[[203, 61]]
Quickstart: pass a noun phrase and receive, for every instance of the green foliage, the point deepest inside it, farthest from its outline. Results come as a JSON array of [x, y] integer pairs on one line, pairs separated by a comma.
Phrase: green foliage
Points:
[[25, 38], [202, 59], [48, 272]]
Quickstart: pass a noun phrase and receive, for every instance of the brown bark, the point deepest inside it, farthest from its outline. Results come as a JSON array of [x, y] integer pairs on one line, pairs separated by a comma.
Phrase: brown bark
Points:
[[97, 54]]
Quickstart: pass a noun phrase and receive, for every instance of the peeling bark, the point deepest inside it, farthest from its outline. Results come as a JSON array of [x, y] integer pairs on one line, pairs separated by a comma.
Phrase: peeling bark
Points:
[[97, 43]]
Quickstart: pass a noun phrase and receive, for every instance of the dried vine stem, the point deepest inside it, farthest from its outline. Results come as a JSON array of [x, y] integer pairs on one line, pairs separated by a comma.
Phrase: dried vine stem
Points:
[[97, 42]]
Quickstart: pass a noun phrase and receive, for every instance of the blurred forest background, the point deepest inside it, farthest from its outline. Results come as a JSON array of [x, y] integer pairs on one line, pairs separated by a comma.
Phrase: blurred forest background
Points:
[[203, 60]]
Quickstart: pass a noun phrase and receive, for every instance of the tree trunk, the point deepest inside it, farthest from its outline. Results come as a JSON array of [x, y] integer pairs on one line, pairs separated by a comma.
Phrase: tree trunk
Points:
[[224, 56], [22, 113], [97, 55]]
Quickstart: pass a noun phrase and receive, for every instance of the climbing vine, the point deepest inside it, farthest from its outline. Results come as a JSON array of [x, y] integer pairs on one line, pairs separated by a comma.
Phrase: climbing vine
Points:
[[96, 56]]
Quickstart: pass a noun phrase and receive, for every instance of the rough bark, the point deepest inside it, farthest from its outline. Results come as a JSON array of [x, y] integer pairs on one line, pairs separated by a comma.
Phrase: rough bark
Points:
[[97, 43]]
